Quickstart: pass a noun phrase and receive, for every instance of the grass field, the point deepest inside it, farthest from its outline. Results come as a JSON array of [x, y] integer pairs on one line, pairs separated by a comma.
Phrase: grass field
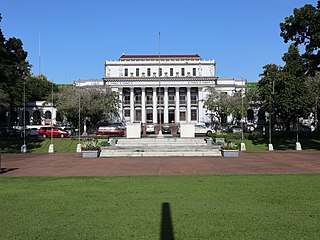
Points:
[[175, 207], [70, 145]]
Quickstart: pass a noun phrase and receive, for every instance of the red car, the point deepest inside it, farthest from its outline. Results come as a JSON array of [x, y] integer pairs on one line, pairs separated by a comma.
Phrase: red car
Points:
[[56, 132], [110, 130]]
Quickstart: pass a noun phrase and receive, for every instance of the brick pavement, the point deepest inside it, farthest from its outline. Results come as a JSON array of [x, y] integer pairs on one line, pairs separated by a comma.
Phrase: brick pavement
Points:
[[72, 164]]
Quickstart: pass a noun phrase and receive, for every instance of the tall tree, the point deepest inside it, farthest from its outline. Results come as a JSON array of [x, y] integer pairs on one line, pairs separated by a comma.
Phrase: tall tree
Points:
[[39, 88], [224, 104], [303, 27], [95, 103], [13, 69], [284, 91]]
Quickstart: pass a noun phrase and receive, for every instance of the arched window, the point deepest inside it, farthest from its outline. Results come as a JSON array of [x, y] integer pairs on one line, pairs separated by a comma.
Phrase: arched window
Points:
[[47, 115]]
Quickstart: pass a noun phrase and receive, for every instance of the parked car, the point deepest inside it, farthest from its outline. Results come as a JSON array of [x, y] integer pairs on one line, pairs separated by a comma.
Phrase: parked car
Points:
[[236, 129], [150, 128], [304, 128], [32, 132], [166, 128], [70, 130], [52, 131], [201, 129], [224, 128], [10, 132], [110, 130]]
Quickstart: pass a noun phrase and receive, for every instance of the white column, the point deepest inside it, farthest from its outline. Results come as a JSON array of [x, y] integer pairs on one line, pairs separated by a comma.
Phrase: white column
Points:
[[177, 117], [188, 105], [200, 106], [143, 105], [120, 90], [131, 105], [155, 110], [166, 106]]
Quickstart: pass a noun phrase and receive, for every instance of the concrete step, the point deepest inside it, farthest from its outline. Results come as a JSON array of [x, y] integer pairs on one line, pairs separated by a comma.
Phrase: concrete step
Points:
[[115, 153]]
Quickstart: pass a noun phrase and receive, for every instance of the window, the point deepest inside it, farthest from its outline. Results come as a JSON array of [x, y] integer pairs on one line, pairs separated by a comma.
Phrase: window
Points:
[[182, 116], [171, 72], [126, 99], [182, 72], [127, 112], [149, 115], [183, 100], [149, 72], [149, 100], [138, 115], [194, 71], [126, 72], [160, 71], [137, 72], [172, 99], [193, 114], [138, 99], [194, 99]]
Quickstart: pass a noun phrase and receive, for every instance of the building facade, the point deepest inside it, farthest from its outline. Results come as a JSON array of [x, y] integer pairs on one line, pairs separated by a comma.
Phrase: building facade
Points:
[[164, 88]]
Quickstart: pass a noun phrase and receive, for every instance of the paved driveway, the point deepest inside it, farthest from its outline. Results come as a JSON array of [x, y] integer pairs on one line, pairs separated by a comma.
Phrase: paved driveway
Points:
[[72, 164]]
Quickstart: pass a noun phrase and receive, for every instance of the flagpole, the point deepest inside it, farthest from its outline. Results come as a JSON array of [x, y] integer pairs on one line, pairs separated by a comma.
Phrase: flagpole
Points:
[[160, 131]]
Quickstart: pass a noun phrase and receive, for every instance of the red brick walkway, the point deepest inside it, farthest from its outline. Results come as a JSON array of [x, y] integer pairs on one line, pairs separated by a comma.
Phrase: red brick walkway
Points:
[[72, 164]]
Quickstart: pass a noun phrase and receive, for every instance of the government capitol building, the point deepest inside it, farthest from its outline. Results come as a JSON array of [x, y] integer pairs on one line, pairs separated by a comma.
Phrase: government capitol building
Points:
[[163, 88]]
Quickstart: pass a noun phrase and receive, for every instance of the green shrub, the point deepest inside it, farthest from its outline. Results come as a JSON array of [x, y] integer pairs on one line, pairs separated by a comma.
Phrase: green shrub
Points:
[[92, 144]]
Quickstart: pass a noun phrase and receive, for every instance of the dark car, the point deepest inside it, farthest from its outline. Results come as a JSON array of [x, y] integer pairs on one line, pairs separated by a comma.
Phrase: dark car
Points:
[[166, 129], [70, 130], [52, 131], [224, 128]]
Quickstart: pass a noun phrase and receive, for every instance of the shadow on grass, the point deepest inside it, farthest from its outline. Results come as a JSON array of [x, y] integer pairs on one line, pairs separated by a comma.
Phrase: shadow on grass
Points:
[[13, 145], [290, 143], [5, 170], [166, 232]]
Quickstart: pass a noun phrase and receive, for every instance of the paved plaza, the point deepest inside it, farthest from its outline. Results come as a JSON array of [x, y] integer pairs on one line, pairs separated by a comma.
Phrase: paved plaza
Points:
[[72, 164]]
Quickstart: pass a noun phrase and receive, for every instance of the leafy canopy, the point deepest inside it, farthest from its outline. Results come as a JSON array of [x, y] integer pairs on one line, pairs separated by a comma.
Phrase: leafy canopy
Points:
[[303, 27]]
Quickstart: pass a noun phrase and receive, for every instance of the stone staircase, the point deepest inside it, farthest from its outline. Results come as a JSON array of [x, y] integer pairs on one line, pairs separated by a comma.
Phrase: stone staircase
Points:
[[155, 147]]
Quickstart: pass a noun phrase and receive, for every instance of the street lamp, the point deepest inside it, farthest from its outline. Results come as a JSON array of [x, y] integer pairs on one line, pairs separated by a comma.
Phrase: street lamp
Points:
[[24, 146], [51, 146], [242, 144], [160, 135], [270, 146], [79, 123]]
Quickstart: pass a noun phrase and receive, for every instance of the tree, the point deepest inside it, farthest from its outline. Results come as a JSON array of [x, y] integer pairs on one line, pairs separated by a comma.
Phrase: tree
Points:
[[303, 27], [314, 87], [95, 103], [224, 104], [13, 69], [39, 88], [284, 91]]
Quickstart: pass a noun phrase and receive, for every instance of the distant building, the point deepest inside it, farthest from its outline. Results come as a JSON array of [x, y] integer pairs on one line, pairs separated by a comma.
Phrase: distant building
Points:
[[165, 88]]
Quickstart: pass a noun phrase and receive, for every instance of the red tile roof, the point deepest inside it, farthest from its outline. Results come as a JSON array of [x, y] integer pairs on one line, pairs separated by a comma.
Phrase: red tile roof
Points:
[[140, 57]]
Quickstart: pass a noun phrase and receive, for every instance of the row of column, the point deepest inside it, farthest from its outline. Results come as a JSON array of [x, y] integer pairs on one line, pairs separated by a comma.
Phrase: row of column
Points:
[[166, 105]]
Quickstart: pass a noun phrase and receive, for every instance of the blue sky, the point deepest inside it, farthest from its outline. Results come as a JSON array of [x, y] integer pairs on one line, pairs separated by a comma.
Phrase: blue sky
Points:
[[78, 36]]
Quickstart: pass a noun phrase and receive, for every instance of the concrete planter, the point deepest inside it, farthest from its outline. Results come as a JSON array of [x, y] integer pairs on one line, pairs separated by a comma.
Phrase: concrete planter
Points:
[[90, 153], [230, 153], [221, 140]]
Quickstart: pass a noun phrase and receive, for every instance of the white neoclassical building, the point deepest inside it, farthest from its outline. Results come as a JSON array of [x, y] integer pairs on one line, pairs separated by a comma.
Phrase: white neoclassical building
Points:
[[163, 88]]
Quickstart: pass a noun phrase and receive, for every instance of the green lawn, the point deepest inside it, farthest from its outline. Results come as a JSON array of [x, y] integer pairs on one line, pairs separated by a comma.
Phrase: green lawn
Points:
[[70, 145], [39, 145], [186, 207]]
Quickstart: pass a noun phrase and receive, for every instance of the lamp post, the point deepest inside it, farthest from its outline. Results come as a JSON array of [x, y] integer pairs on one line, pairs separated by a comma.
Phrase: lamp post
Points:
[[270, 146], [298, 145], [242, 144], [24, 146], [51, 146], [160, 135], [79, 124]]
